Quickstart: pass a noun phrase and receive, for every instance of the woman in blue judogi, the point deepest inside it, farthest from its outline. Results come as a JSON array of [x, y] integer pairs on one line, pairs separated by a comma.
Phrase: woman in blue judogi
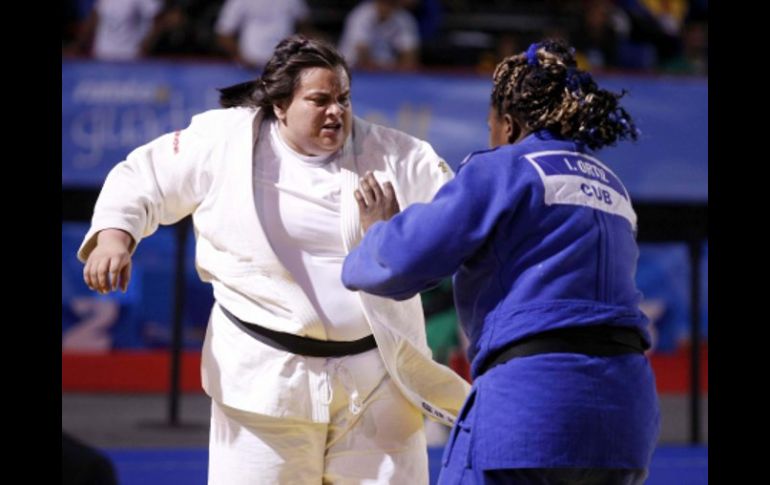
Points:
[[540, 236]]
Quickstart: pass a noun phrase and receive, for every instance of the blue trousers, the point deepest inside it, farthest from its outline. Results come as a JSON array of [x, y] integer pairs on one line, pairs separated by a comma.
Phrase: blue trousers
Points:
[[458, 465]]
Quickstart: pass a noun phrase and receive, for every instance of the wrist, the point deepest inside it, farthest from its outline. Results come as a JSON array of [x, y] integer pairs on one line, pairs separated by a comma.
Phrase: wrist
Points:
[[112, 235]]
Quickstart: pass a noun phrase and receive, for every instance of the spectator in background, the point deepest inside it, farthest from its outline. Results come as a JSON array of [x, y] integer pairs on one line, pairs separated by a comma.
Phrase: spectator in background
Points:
[[602, 27], [248, 30], [658, 23], [188, 29], [119, 30], [380, 34], [429, 15], [694, 56]]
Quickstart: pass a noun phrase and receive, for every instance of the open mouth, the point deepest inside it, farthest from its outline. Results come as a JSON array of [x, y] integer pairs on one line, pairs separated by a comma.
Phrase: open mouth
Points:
[[331, 126]]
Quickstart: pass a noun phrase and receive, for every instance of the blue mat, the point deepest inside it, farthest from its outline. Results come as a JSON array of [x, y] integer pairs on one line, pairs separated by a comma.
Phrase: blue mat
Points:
[[671, 465]]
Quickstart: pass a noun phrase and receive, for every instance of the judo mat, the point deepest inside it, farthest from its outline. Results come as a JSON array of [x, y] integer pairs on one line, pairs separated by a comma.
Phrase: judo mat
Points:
[[671, 465]]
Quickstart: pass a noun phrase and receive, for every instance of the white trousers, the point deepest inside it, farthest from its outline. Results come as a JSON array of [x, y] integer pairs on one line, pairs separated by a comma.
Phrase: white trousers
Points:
[[373, 439]]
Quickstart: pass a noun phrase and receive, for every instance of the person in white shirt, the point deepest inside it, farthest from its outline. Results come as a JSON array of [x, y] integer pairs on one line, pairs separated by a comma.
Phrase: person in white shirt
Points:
[[120, 30], [380, 34], [309, 382], [248, 30]]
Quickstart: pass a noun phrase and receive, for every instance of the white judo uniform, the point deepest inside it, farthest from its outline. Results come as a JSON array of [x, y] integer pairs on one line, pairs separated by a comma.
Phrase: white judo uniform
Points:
[[265, 402]]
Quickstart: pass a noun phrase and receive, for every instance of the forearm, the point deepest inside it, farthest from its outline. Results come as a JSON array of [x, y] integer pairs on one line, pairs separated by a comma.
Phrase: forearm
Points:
[[399, 258], [366, 270], [426, 243]]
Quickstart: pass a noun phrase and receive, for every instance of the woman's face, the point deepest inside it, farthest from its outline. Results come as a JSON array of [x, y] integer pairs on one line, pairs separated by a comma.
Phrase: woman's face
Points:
[[318, 119]]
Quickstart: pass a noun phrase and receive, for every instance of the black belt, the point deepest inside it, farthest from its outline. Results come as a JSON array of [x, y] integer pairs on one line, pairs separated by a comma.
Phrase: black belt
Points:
[[307, 346], [597, 340]]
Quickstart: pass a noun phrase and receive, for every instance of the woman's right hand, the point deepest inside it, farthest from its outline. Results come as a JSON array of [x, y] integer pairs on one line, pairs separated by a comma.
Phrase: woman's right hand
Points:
[[109, 264]]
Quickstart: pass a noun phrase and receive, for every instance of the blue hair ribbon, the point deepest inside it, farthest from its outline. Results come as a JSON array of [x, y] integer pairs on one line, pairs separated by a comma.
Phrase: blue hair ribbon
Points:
[[532, 54]]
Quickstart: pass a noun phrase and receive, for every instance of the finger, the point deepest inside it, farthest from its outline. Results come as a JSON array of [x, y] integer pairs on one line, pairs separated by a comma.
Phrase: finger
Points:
[[125, 276], [102, 282], [388, 191], [366, 191], [93, 275], [114, 269], [390, 196], [360, 200], [374, 185], [94, 280], [87, 276]]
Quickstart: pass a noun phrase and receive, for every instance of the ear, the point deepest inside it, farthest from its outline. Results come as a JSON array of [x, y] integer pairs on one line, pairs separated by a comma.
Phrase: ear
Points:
[[280, 113], [512, 128]]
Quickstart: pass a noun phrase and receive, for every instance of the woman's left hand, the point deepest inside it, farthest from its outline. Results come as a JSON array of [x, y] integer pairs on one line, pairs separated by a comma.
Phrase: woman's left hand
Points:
[[375, 203]]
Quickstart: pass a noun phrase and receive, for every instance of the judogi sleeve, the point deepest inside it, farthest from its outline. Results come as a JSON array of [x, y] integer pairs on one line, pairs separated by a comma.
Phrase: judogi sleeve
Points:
[[158, 183], [427, 242], [421, 178]]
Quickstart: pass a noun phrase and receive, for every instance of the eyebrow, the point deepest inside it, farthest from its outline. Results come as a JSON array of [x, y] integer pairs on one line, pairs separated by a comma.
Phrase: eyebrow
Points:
[[319, 92]]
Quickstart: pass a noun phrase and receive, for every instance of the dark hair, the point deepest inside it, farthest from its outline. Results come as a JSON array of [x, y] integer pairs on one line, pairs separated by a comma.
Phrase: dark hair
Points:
[[543, 89], [280, 76]]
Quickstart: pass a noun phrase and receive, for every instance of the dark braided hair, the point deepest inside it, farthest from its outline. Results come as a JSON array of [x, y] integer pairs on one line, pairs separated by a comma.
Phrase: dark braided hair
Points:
[[280, 76], [543, 89]]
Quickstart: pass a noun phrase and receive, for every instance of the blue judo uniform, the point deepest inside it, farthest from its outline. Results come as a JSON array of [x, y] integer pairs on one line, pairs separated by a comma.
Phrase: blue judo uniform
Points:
[[539, 235]]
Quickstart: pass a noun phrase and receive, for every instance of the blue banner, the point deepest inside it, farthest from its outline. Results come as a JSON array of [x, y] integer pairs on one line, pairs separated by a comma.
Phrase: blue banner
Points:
[[108, 109], [140, 318]]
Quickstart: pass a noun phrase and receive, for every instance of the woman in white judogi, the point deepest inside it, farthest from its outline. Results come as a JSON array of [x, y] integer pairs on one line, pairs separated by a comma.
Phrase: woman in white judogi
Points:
[[309, 382]]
